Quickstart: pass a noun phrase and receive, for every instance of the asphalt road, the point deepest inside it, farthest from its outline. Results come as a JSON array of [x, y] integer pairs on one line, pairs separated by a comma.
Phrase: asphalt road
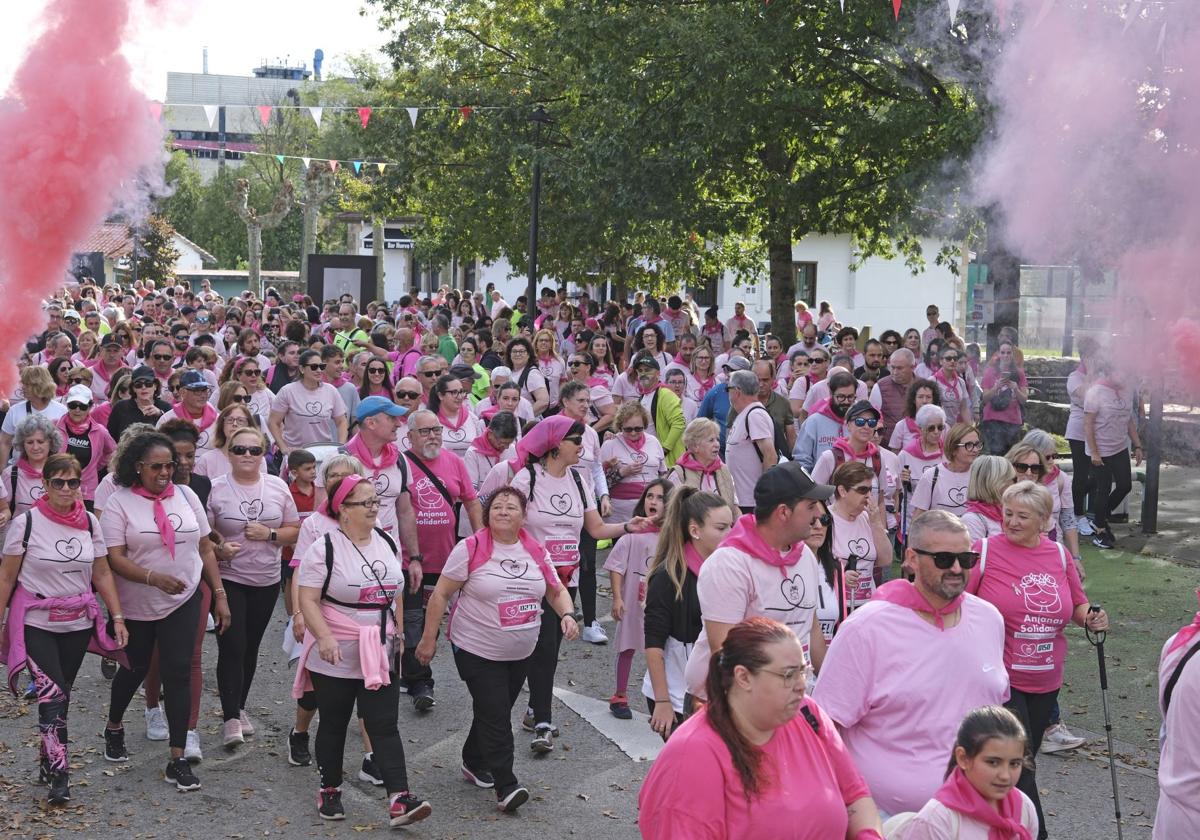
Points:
[[587, 787]]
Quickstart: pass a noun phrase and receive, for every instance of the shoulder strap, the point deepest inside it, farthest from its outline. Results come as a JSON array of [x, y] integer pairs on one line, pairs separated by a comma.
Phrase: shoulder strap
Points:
[[654, 408], [29, 531], [933, 484], [328, 565], [12, 497], [532, 478], [982, 557], [579, 486], [437, 482], [1062, 556], [391, 542], [1176, 675], [524, 377], [758, 451]]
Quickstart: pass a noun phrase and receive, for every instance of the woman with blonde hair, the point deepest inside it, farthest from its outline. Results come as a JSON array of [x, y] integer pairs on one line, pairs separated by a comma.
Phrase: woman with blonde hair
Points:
[[549, 363], [215, 462], [944, 486], [701, 466], [991, 475], [1060, 484], [38, 387], [632, 458]]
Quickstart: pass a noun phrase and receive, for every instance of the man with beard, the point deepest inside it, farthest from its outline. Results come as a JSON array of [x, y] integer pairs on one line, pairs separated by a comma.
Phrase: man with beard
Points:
[[824, 424], [904, 670], [439, 486], [872, 369]]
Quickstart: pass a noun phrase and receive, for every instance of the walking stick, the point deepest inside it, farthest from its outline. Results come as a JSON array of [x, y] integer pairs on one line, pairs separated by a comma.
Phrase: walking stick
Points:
[[1096, 638]]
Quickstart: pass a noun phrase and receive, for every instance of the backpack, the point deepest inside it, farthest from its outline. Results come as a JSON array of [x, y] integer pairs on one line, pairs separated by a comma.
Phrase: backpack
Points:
[[779, 441], [839, 458]]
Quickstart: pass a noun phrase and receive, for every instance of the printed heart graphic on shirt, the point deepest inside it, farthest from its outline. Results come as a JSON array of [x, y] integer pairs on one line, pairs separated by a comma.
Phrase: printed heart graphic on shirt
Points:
[[382, 484], [70, 549], [793, 590], [313, 408], [36, 492], [454, 435], [251, 510], [514, 568], [176, 521], [639, 457], [375, 571], [1028, 649], [561, 503], [859, 547], [957, 495]]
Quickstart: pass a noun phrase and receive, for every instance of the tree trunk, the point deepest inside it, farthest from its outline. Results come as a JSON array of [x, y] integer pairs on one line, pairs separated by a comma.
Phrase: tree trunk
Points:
[[254, 241], [309, 235], [377, 238], [783, 290]]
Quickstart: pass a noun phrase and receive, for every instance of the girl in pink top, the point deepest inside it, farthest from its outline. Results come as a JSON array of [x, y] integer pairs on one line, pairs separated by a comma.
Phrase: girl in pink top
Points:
[[505, 584], [626, 565], [1035, 586], [761, 760]]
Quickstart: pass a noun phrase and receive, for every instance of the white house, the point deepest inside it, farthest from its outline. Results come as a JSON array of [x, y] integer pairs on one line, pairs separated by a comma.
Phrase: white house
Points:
[[110, 245]]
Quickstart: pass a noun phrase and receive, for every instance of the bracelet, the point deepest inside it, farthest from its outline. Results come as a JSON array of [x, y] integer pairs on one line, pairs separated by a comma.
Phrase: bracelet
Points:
[[656, 700], [119, 617], [625, 527], [219, 591], [148, 574], [296, 613]]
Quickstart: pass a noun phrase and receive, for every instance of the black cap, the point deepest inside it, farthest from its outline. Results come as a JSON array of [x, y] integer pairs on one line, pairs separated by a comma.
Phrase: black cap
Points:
[[463, 372], [786, 484], [647, 361], [110, 339], [142, 372], [861, 407]]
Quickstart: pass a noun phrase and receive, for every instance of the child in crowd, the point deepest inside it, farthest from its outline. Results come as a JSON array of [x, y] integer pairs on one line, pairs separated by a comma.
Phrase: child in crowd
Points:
[[302, 467]]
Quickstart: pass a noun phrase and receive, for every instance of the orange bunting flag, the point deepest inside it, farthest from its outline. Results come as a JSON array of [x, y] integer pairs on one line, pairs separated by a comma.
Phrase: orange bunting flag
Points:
[[466, 111]]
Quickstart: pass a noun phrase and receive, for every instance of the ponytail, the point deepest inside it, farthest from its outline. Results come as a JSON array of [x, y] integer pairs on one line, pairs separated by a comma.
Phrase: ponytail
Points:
[[685, 506]]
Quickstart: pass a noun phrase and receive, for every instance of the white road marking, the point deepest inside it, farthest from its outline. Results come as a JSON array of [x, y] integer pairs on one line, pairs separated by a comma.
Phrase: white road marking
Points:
[[634, 737]]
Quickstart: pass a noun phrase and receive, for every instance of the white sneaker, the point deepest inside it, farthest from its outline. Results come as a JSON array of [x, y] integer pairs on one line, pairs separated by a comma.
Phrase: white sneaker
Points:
[[1084, 526], [247, 726], [211, 626], [156, 725], [191, 750], [1058, 738], [595, 634]]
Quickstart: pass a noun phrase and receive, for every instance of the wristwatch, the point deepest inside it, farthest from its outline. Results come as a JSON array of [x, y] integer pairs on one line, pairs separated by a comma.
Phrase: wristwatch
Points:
[[274, 536]]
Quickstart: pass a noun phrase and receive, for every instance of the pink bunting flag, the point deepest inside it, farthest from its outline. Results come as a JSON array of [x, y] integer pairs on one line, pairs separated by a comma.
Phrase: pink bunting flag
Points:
[[264, 114], [333, 165], [466, 112], [896, 8], [156, 109], [364, 114]]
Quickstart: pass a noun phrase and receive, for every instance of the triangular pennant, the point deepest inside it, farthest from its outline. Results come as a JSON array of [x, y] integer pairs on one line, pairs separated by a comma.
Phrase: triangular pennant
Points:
[[412, 115], [156, 109], [953, 10], [279, 158], [357, 166], [306, 161], [315, 112], [896, 8], [381, 167], [466, 111], [264, 113], [364, 115], [210, 114], [333, 165]]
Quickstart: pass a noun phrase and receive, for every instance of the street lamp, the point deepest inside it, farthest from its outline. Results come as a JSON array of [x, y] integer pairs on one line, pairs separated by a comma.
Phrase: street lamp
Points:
[[539, 118]]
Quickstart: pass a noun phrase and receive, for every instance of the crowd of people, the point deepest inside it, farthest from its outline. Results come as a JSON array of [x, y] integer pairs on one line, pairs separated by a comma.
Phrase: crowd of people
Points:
[[799, 539]]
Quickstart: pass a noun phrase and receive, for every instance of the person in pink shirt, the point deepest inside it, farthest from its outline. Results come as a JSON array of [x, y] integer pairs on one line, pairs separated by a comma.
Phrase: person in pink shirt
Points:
[[944, 486], [860, 542], [1178, 812], [307, 411], [760, 760], [504, 582], [750, 440], [1109, 427], [448, 400], [87, 440], [1034, 584], [440, 484], [739, 322], [885, 680]]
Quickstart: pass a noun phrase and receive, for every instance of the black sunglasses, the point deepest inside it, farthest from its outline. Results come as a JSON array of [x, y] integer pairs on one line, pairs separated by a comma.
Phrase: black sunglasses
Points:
[[242, 398], [159, 357], [144, 383], [1021, 468], [78, 406], [315, 367], [377, 370], [407, 395], [576, 439], [947, 559], [826, 519], [64, 483], [247, 450], [75, 381]]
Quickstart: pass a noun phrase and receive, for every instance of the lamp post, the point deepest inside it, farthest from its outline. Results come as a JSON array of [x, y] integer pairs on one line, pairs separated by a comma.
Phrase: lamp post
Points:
[[539, 118]]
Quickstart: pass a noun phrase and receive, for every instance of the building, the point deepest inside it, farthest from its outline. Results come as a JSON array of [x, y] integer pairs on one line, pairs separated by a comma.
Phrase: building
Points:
[[106, 251]]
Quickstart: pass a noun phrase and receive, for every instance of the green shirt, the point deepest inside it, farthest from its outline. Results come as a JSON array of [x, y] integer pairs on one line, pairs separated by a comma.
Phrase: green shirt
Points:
[[448, 348]]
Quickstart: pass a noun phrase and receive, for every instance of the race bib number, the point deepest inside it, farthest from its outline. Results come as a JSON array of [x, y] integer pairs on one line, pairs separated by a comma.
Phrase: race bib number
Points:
[[62, 614], [563, 552], [376, 595], [518, 611]]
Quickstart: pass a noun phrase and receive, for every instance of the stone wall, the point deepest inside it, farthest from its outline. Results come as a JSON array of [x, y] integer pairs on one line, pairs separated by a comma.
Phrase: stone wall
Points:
[[1181, 435]]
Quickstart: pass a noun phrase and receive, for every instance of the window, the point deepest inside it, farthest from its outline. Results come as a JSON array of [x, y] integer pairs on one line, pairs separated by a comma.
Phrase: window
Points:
[[804, 274], [704, 291]]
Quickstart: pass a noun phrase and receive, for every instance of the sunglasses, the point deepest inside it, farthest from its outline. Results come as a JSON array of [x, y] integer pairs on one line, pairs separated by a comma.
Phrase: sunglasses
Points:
[[64, 483], [633, 430], [143, 383], [166, 466], [575, 439], [250, 372], [407, 395], [241, 398], [577, 362], [865, 421], [1033, 468], [78, 406], [247, 450], [377, 370], [430, 374], [825, 519], [935, 428], [159, 357], [950, 358], [75, 381], [315, 367], [862, 490], [947, 559]]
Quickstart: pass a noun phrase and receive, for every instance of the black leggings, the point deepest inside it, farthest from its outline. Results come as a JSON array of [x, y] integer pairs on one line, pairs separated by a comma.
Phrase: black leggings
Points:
[[414, 675], [379, 710], [494, 687], [54, 660], [1111, 483], [543, 663], [1081, 476], [175, 634], [1034, 712], [587, 577], [250, 610]]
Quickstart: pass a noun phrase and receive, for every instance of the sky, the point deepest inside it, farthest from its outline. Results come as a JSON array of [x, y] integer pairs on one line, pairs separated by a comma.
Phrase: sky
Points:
[[239, 35]]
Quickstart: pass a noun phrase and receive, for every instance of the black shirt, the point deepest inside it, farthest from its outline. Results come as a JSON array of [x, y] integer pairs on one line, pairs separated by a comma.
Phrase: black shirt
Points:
[[669, 617], [126, 412], [201, 486]]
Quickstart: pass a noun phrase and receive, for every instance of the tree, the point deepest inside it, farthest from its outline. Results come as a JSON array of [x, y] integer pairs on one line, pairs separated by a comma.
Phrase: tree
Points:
[[186, 192], [256, 223], [155, 251]]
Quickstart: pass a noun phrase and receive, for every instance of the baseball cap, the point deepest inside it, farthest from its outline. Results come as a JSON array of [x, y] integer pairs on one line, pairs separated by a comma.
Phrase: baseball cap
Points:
[[786, 484], [71, 315], [374, 405], [861, 407], [736, 363], [193, 380], [110, 340], [647, 361], [463, 372], [79, 393], [143, 372]]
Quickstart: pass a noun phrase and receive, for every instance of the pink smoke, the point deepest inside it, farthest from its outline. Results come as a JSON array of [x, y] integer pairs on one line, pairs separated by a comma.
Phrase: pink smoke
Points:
[[1095, 161], [74, 133]]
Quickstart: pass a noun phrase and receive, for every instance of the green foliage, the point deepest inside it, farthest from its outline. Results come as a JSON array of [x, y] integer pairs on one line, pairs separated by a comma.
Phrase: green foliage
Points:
[[156, 252], [179, 208]]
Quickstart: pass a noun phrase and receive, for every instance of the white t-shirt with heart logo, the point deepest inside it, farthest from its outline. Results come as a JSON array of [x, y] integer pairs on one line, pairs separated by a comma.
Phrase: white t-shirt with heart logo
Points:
[[307, 415], [232, 506], [853, 537], [57, 564], [555, 514], [26, 491], [949, 493]]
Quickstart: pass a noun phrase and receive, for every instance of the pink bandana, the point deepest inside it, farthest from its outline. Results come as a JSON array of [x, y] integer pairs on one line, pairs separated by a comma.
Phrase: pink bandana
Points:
[[689, 462], [903, 593], [165, 529], [986, 510], [744, 536], [693, 559], [1185, 634], [387, 457], [960, 795], [207, 417], [75, 518]]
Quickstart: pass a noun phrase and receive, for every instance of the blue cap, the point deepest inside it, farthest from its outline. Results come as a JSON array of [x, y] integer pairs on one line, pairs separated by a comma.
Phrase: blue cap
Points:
[[193, 380], [374, 405]]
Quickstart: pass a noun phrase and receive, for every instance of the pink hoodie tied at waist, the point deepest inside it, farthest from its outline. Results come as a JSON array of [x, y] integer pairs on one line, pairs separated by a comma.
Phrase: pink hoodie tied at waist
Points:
[[372, 654]]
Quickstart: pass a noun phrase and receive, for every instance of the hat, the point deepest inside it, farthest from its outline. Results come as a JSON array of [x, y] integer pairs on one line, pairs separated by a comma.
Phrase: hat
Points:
[[736, 363], [464, 372], [79, 393], [786, 484], [647, 361], [861, 407], [187, 310], [142, 372], [110, 340], [193, 380], [374, 405], [71, 315]]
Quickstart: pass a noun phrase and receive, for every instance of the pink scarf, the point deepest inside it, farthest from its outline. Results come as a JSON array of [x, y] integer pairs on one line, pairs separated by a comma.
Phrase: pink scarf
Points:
[[679, 360], [75, 518], [165, 529], [912, 426], [693, 559], [481, 546], [372, 655], [1185, 634], [986, 510], [825, 407], [28, 470], [1051, 475], [207, 417], [483, 445], [960, 795], [915, 449], [903, 593], [689, 462], [844, 445], [639, 444], [594, 381], [744, 536], [459, 422], [706, 385], [387, 458], [940, 376]]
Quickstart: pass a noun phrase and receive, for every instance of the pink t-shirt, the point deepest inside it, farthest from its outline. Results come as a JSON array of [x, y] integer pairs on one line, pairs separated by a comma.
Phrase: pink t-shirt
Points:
[[949, 493], [232, 506], [27, 491], [734, 585], [436, 523], [458, 440], [553, 372], [367, 576], [1036, 591], [555, 514], [693, 791], [854, 537], [312, 528], [389, 484], [1012, 412], [534, 381], [57, 564], [937, 822], [128, 520], [1113, 412], [979, 526], [742, 454], [1178, 813], [498, 612], [631, 557], [307, 415], [886, 684], [204, 443]]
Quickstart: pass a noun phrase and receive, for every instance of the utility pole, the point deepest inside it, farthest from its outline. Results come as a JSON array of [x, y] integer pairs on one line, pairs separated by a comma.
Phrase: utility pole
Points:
[[539, 118]]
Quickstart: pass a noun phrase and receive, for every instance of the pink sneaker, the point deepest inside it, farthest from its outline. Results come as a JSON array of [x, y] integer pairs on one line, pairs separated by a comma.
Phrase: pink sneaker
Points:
[[232, 732]]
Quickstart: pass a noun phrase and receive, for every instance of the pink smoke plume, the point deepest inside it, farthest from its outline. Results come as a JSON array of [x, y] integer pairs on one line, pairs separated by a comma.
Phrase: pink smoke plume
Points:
[[1094, 161], [74, 133]]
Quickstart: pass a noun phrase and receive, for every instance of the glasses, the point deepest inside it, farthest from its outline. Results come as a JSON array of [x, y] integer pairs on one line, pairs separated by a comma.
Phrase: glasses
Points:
[[164, 466], [315, 367], [862, 490], [377, 370], [407, 395], [951, 358], [1024, 468], [252, 372], [817, 360], [633, 430], [453, 392], [577, 363], [78, 406], [241, 398], [935, 428], [75, 381], [825, 519], [369, 504], [865, 421], [143, 383], [789, 677], [576, 439], [236, 421], [159, 357], [64, 483], [972, 446], [947, 559], [430, 374], [843, 398], [432, 431], [247, 450]]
